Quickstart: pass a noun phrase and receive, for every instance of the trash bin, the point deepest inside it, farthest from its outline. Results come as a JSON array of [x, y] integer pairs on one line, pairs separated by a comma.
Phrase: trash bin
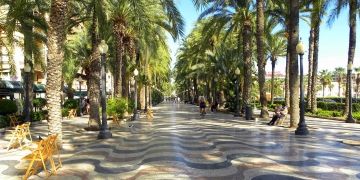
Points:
[[248, 112]]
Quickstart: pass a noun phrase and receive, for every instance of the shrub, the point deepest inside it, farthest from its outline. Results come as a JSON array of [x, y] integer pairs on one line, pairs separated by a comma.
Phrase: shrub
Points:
[[131, 106], [71, 104], [156, 97], [326, 113], [331, 106], [4, 121], [117, 107], [356, 115], [39, 103], [7, 107], [64, 112], [39, 115]]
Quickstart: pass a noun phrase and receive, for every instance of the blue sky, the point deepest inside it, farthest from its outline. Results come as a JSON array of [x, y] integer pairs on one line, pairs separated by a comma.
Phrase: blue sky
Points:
[[334, 40]]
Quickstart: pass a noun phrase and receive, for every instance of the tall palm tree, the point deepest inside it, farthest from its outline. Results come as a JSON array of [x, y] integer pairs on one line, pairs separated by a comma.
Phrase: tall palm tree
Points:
[[310, 68], [294, 67], [353, 12], [261, 61], [339, 73], [276, 47], [56, 38], [318, 11], [27, 18], [234, 17]]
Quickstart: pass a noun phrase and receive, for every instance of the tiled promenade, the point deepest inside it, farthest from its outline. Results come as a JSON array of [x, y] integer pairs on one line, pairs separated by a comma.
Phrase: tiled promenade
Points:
[[179, 144]]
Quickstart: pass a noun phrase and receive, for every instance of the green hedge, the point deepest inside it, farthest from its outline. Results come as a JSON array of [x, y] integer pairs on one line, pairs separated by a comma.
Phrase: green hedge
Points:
[[7, 107], [326, 113], [71, 104]]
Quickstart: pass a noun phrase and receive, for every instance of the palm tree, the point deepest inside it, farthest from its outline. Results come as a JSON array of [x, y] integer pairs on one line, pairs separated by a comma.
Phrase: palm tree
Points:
[[276, 47], [339, 73], [56, 38], [27, 18], [140, 17], [318, 11], [260, 45], [235, 17], [353, 12], [325, 79], [294, 67]]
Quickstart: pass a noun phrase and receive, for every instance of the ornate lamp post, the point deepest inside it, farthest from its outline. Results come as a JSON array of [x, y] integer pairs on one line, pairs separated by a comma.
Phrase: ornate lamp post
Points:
[[104, 131], [349, 118], [136, 114], [237, 110], [27, 70], [80, 96], [301, 129]]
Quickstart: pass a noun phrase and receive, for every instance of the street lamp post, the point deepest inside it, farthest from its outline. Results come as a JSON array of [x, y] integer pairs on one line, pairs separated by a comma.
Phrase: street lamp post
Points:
[[301, 129], [136, 114], [27, 70], [80, 96], [104, 131], [350, 118], [193, 95], [237, 110]]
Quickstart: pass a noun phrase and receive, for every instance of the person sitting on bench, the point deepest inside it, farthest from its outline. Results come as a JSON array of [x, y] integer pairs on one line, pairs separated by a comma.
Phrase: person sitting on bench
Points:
[[279, 113]]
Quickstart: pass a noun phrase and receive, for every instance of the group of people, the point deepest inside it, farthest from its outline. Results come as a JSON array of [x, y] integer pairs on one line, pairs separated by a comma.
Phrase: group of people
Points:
[[202, 105]]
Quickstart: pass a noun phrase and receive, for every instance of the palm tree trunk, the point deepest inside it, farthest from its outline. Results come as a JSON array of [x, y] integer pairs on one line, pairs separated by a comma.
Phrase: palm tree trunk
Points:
[[94, 77], [196, 95], [315, 63], [287, 73], [352, 46], [294, 67], [260, 22], [28, 54], [119, 31], [124, 83], [323, 93], [56, 38], [311, 64], [273, 61], [246, 35]]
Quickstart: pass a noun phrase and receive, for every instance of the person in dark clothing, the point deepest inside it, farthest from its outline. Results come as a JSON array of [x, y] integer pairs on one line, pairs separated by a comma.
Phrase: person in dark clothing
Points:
[[214, 106], [279, 112], [202, 105]]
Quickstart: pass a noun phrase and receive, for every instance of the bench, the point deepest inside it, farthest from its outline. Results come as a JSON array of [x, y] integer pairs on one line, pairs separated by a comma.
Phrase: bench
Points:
[[13, 120], [19, 135], [41, 155], [72, 113], [281, 120]]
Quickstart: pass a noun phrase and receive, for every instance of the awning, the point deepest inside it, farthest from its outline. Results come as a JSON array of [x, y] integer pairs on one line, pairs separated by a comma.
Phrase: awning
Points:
[[82, 93], [11, 86], [39, 88]]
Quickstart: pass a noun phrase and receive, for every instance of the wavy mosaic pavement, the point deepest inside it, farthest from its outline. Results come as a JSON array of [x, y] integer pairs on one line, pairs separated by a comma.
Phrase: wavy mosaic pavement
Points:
[[178, 144]]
